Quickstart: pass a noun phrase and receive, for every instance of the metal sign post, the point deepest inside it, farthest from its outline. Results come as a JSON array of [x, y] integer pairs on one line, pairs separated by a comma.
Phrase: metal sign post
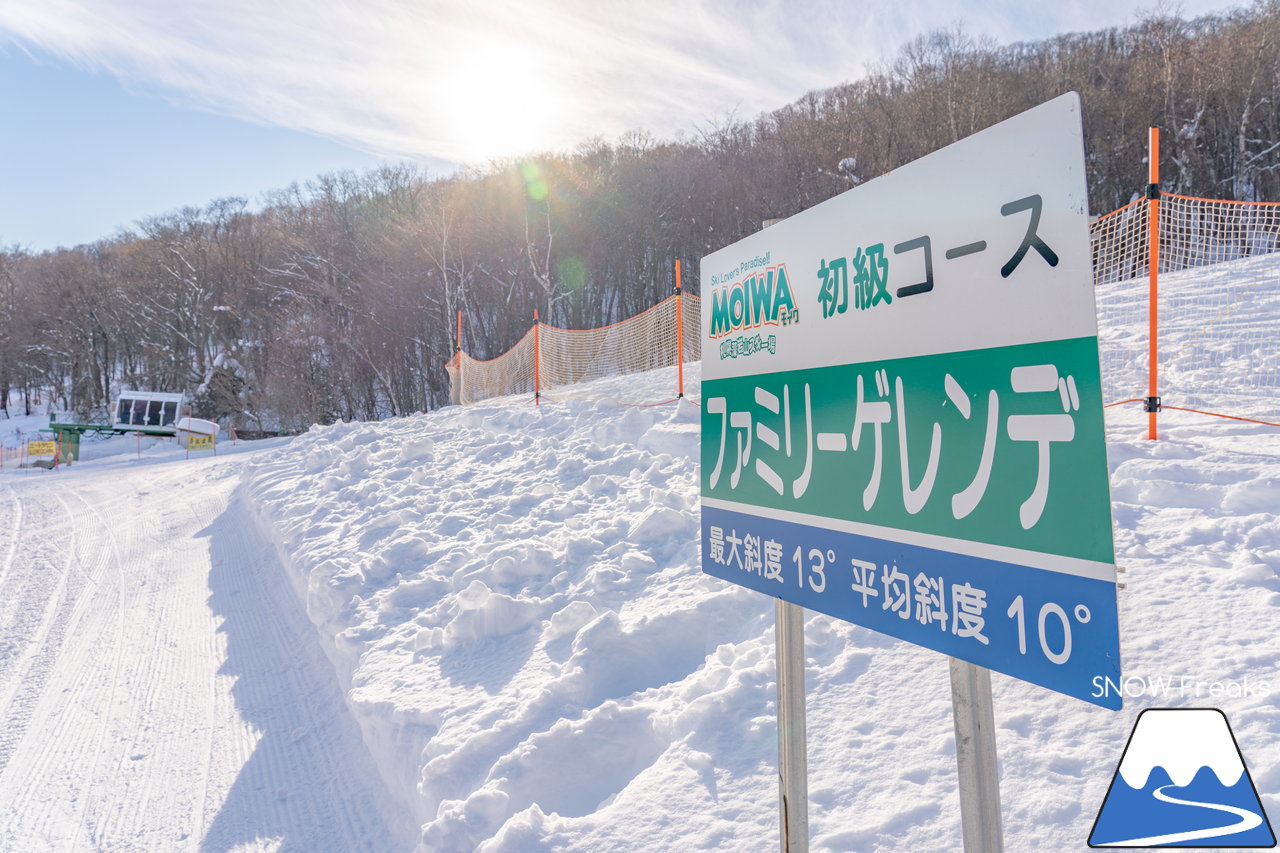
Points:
[[793, 776], [975, 723]]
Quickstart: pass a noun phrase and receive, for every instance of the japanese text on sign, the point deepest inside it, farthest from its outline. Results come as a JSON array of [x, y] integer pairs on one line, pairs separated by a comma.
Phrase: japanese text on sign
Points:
[[902, 416]]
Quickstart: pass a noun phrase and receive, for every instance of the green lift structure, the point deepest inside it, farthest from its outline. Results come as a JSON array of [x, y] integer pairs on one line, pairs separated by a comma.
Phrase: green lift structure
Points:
[[69, 435], [149, 413]]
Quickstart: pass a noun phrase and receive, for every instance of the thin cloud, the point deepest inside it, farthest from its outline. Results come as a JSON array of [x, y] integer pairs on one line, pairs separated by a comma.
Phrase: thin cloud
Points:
[[469, 81]]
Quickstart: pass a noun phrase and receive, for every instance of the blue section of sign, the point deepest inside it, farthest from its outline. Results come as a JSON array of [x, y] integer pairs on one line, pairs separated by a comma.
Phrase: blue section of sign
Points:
[[1052, 629]]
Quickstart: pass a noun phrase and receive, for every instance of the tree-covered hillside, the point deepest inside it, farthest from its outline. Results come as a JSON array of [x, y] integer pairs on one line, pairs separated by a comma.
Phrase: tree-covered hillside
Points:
[[337, 299]]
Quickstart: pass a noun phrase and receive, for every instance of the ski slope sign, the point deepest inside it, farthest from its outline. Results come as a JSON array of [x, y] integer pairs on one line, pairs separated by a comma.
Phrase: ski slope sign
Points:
[[902, 421]]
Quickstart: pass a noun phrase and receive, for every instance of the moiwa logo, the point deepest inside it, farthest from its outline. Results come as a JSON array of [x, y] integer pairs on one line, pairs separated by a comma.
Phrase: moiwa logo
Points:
[[762, 298], [1182, 782]]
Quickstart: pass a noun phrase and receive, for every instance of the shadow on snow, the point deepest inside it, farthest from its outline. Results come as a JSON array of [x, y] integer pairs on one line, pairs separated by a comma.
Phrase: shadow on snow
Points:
[[310, 782]]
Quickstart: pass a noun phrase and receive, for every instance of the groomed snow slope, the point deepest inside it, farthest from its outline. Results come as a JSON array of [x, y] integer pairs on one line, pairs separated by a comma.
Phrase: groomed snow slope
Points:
[[160, 687], [512, 597]]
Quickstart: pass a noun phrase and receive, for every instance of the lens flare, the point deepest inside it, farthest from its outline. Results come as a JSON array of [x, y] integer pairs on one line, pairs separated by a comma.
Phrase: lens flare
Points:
[[534, 183], [572, 272]]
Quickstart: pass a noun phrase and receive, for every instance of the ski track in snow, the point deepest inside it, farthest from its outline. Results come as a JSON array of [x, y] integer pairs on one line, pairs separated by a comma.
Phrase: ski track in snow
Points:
[[14, 528], [160, 689]]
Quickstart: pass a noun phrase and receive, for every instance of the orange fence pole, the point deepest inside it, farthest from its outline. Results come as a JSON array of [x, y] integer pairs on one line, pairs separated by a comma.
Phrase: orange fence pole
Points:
[[679, 336], [457, 353], [537, 387], [1153, 271]]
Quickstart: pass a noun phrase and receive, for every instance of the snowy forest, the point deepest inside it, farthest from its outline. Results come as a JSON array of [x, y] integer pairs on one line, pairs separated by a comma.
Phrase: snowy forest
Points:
[[336, 299]]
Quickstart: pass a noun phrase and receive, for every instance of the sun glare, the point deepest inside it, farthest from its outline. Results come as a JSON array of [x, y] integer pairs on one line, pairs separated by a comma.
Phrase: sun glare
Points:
[[500, 101]]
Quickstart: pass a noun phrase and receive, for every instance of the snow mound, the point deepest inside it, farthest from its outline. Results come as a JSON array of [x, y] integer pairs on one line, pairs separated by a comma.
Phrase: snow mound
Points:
[[511, 596]]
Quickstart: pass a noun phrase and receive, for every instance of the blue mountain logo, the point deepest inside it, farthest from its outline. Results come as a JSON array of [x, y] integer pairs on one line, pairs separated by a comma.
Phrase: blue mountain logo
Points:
[[1182, 782]]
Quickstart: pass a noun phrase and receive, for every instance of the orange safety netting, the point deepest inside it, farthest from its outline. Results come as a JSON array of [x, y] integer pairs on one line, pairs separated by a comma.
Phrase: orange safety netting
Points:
[[567, 357], [1214, 320], [12, 456], [509, 373], [1219, 301], [1120, 240]]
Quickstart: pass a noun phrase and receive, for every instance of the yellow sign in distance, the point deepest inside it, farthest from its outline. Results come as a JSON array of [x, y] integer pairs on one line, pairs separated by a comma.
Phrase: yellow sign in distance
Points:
[[42, 448], [200, 442]]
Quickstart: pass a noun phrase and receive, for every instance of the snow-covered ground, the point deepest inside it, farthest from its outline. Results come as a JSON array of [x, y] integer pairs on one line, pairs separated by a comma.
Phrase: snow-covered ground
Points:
[[509, 599], [160, 686]]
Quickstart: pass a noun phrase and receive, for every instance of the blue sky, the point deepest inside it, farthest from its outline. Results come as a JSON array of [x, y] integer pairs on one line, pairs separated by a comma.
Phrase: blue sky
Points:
[[81, 156], [115, 110]]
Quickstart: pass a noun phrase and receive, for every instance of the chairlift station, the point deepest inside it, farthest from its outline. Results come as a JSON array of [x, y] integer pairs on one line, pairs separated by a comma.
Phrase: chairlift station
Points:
[[134, 413]]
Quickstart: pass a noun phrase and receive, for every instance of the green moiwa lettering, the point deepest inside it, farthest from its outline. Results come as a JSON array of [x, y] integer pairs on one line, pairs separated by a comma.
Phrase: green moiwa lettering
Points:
[[756, 300], [782, 299], [761, 298], [737, 307], [719, 312]]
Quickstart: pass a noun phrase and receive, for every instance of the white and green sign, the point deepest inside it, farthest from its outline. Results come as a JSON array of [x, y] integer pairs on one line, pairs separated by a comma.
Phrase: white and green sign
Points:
[[902, 416]]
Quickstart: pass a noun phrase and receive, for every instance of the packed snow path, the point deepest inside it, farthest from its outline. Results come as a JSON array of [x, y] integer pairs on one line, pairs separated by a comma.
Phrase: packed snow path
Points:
[[160, 687]]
